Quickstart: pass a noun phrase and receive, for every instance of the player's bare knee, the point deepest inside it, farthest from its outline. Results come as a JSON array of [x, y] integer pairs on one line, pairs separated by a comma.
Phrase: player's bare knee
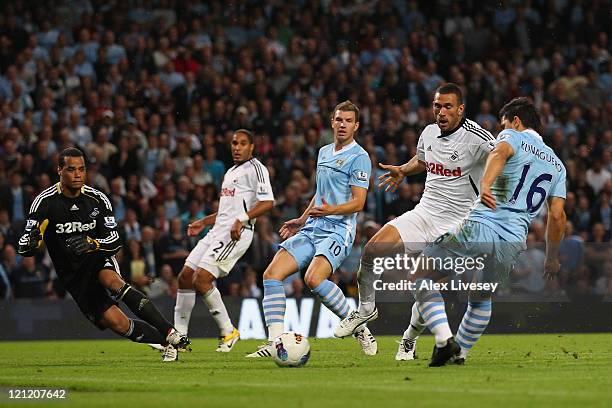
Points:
[[185, 278], [273, 271], [313, 280], [369, 252], [111, 280], [203, 281]]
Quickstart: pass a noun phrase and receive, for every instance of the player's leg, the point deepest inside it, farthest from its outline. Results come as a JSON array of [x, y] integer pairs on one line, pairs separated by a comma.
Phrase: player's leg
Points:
[[141, 306], [401, 235], [330, 252], [136, 330], [186, 296], [474, 322], [407, 346], [185, 299], [274, 302], [204, 284], [418, 228], [316, 278], [387, 241], [431, 307]]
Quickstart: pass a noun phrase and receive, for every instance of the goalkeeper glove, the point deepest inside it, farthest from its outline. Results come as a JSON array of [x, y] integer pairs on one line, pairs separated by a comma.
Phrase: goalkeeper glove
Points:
[[81, 244], [30, 242]]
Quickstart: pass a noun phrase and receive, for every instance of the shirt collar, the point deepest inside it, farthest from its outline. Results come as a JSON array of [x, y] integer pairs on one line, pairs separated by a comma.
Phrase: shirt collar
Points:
[[533, 133], [344, 148], [450, 132]]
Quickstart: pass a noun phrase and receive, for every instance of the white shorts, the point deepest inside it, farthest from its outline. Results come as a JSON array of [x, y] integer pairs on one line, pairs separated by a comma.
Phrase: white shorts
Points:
[[217, 252], [418, 227]]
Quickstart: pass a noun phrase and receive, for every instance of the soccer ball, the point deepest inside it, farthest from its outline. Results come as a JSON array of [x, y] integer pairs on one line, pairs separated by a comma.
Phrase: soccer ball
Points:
[[291, 350]]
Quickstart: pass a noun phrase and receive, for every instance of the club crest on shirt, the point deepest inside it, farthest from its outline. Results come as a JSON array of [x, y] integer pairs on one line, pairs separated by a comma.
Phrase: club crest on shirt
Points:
[[94, 213], [340, 162], [454, 156]]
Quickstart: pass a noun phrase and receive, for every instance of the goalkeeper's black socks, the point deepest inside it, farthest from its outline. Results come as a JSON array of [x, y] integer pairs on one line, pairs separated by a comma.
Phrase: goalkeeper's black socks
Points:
[[143, 332], [142, 307]]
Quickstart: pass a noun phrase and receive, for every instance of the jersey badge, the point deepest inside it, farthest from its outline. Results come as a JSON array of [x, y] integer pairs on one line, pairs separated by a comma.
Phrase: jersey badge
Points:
[[109, 222]]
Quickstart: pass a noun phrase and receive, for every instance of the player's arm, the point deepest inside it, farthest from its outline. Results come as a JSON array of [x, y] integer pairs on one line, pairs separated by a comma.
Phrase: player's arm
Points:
[[555, 229], [32, 238], [396, 174], [291, 227], [413, 166], [34, 230], [196, 227], [260, 208], [495, 165], [355, 204]]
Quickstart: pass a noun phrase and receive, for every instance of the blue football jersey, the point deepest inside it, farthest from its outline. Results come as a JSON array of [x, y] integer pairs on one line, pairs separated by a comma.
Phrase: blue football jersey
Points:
[[532, 175], [337, 171]]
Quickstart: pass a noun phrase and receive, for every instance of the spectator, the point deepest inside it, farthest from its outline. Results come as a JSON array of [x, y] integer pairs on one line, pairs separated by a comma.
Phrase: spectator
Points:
[[175, 247], [31, 280], [165, 285], [597, 176]]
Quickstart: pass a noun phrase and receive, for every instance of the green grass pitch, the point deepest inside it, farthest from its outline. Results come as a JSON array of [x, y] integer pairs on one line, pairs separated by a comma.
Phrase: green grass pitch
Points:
[[504, 370]]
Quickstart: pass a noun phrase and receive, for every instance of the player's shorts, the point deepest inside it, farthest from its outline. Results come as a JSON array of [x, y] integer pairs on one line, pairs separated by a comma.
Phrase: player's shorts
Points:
[[320, 237], [84, 286], [217, 252], [492, 257], [419, 227]]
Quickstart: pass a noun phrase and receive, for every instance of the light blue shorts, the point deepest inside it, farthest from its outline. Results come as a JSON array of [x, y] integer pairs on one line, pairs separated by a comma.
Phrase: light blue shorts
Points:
[[492, 257], [320, 237]]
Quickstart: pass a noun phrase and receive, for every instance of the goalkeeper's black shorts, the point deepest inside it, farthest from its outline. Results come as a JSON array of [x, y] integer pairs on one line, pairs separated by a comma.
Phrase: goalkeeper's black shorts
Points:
[[85, 288]]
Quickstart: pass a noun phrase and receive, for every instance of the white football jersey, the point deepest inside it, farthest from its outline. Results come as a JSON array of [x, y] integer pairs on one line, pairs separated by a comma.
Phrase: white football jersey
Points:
[[243, 186], [455, 164]]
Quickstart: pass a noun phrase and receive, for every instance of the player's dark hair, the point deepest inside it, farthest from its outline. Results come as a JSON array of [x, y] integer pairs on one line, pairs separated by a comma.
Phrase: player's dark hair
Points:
[[451, 88], [247, 133], [347, 106], [524, 109], [69, 152]]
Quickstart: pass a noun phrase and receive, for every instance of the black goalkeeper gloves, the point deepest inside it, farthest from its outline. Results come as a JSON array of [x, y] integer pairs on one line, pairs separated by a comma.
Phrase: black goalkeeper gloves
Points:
[[30, 242], [81, 244]]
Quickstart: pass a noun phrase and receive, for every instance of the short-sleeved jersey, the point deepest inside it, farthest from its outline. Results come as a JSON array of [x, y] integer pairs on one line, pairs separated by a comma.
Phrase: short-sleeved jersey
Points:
[[337, 172], [455, 163], [531, 175], [90, 213], [243, 186]]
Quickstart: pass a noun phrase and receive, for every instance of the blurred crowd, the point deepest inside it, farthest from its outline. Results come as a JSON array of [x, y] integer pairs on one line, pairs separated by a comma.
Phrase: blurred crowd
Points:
[[152, 91]]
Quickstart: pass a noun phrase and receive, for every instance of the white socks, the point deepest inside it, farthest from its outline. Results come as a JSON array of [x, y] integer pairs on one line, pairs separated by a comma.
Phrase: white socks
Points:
[[217, 310], [416, 326], [185, 301]]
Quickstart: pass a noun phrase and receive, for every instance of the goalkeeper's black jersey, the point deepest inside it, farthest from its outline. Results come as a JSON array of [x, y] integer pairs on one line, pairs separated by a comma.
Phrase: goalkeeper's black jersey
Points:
[[90, 213]]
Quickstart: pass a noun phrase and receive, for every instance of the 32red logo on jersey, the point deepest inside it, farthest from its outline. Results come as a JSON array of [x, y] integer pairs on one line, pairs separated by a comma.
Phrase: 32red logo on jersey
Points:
[[228, 192], [439, 169]]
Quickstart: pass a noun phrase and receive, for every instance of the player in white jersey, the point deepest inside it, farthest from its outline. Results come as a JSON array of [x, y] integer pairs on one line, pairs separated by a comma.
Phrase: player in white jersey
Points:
[[453, 151], [246, 194]]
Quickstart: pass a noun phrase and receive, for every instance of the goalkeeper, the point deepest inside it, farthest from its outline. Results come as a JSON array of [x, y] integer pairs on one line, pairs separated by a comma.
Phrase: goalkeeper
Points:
[[79, 229]]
